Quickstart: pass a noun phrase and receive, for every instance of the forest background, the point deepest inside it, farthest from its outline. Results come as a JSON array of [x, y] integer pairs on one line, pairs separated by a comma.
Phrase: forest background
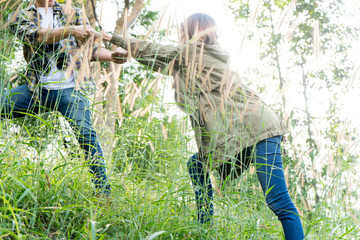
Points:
[[301, 56]]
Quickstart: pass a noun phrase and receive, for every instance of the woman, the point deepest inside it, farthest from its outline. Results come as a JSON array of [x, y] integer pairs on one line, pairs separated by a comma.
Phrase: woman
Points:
[[232, 126]]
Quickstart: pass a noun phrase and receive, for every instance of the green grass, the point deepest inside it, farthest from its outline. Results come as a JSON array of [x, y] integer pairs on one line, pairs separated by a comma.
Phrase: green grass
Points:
[[46, 190], [152, 196]]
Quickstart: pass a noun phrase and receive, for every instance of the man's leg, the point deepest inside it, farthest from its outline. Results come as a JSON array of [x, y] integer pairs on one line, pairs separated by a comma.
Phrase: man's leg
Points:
[[270, 172], [17, 103], [202, 187], [75, 108]]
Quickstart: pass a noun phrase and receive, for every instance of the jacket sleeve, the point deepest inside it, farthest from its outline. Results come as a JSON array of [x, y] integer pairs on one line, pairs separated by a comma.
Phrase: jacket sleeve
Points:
[[80, 19], [154, 55], [26, 30]]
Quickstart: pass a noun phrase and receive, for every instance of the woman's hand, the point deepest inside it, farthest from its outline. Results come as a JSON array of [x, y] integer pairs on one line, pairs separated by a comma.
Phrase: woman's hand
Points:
[[119, 56], [82, 32]]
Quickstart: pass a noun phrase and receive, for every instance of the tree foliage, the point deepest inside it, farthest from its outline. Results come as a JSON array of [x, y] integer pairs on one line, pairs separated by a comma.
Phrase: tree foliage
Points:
[[304, 53], [306, 45]]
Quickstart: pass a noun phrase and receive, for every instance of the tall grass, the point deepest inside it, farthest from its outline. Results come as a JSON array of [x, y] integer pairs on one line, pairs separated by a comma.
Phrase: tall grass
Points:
[[46, 192]]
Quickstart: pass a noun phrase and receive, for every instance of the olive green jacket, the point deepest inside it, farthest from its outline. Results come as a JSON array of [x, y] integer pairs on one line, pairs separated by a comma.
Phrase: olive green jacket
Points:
[[226, 116]]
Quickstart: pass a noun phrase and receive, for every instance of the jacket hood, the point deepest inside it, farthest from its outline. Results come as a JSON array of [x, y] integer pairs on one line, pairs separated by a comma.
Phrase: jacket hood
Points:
[[217, 52]]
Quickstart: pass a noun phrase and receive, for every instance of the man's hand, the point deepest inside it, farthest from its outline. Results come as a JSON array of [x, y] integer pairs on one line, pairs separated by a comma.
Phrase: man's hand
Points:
[[101, 35], [79, 32], [119, 56], [82, 32]]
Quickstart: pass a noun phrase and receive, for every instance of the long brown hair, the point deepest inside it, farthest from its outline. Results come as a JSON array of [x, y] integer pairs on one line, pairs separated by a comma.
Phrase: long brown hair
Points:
[[200, 25]]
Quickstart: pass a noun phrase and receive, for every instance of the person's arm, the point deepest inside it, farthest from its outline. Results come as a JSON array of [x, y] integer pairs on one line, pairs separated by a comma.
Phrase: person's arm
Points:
[[23, 28], [27, 30], [151, 54], [105, 55], [50, 36]]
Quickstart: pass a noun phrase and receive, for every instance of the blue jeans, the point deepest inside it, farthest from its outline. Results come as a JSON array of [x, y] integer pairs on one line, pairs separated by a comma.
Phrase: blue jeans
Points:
[[75, 108], [267, 159]]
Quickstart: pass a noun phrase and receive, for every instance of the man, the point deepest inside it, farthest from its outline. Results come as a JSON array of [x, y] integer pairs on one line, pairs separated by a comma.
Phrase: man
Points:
[[58, 46]]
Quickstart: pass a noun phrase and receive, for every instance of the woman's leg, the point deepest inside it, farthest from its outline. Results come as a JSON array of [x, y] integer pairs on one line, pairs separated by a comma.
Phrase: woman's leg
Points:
[[202, 187], [270, 172]]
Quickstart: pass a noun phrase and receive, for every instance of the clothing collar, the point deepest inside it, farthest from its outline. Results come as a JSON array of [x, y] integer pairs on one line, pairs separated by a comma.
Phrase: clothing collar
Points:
[[218, 52], [56, 7]]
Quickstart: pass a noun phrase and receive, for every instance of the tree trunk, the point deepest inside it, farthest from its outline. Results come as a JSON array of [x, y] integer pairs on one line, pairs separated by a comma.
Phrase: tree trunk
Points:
[[90, 10], [107, 103], [277, 57], [312, 145]]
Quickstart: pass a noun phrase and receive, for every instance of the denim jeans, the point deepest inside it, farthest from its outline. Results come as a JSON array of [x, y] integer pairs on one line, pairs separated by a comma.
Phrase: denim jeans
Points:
[[267, 159], [75, 108]]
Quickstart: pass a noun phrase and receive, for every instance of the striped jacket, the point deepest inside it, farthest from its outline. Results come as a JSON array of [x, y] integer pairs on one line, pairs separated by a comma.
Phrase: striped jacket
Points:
[[25, 25]]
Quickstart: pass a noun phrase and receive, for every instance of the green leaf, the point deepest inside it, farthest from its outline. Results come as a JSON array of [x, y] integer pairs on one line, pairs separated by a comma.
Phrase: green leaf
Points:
[[154, 235]]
